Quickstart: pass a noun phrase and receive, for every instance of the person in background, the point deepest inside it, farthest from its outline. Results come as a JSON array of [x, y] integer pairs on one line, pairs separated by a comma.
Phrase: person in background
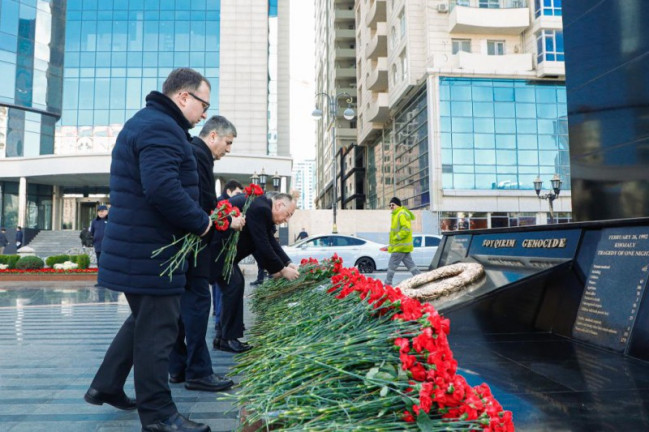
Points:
[[190, 360], [97, 229], [231, 188], [19, 237], [400, 240], [86, 237], [302, 235], [3, 240], [154, 199], [257, 237]]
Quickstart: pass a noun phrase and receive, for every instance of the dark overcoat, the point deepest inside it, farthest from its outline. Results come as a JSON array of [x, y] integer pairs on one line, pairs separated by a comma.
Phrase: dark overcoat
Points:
[[154, 199], [256, 237]]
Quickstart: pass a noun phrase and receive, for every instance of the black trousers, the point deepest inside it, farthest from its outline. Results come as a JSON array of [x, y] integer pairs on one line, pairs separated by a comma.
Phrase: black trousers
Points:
[[232, 305], [191, 354], [144, 342]]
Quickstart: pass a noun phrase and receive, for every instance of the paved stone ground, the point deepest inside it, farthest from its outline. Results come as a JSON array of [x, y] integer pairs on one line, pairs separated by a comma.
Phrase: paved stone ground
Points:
[[53, 336]]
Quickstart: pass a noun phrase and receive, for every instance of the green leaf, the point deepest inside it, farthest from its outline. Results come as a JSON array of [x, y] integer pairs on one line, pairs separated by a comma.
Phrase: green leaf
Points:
[[425, 423], [372, 373], [384, 391]]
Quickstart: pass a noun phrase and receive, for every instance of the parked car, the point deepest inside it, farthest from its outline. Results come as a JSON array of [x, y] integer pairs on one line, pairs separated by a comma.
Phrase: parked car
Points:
[[425, 247], [366, 255]]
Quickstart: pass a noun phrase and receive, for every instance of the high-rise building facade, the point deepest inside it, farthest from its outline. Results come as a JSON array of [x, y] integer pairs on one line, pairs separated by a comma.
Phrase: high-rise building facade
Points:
[[31, 67], [304, 181], [461, 106], [116, 52], [335, 84]]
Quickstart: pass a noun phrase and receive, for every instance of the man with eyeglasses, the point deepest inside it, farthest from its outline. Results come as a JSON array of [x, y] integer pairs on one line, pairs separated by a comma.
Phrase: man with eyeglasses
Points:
[[190, 360], [154, 199], [400, 240]]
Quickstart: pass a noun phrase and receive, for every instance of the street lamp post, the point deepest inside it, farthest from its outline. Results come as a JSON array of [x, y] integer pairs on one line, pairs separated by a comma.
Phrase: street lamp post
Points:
[[276, 181], [262, 179], [254, 178], [349, 114], [550, 196]]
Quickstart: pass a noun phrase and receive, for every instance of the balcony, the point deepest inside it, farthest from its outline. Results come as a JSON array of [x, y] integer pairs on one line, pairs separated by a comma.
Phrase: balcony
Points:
[[377, 81], [343, 53], [345, 34], [345, 72], [378, 111], [504, 17], [378, 44], [344, 14], [346, 133], [376, 13], [492, 63], [547, 69]]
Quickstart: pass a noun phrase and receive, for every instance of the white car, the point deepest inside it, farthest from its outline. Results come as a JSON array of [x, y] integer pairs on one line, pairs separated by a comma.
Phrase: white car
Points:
[[366, 255], [424, 248]]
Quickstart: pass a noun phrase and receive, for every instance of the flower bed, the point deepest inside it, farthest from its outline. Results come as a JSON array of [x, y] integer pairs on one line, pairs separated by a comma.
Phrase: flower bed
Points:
[[48, 274], [337, 351]]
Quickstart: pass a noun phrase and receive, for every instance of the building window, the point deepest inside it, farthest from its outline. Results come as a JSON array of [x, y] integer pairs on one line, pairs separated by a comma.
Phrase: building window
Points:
[[402, 24], [549, 46], [404, 66], [490, 4], [393, 37], [547, 7], [461, 45], [394, 74], [501, 134], [496, 47]]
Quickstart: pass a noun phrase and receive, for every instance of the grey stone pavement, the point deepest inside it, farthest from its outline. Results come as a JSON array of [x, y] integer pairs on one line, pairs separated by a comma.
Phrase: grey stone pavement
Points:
[[53, 336]]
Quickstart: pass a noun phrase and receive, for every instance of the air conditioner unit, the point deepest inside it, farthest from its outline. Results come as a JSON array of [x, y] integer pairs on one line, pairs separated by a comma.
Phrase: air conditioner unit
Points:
[[442, 8]]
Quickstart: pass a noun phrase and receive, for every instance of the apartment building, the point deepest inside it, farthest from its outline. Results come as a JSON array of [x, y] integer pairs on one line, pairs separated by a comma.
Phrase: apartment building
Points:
[[75, 71], [335, 84], [461, 106], [304, 181]]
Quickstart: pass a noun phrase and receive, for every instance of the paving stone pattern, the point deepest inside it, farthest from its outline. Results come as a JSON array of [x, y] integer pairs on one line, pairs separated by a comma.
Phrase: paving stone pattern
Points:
[[53, 337]]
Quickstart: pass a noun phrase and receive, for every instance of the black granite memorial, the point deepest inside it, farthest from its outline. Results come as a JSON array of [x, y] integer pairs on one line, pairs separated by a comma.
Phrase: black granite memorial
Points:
[[560, 327]]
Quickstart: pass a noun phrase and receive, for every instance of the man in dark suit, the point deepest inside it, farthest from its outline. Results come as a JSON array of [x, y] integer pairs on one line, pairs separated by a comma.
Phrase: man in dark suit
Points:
[[257, 237], [190, 360], [154, 199], [231, 188]]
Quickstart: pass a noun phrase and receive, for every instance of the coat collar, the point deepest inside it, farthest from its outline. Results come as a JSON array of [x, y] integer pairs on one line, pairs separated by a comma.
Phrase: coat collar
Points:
[[163, 103]]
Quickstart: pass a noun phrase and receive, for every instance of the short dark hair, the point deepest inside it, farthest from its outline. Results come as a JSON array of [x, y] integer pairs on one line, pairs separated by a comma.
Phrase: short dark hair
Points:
[[232, 185], [183, 79], [219, 124]]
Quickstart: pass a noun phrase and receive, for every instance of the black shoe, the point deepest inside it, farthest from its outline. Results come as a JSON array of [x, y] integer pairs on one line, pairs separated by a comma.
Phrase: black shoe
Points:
[[216, 342], [176, 423], [177, 378], [211, 383], [119, 401], [257, 282], [234, 345]]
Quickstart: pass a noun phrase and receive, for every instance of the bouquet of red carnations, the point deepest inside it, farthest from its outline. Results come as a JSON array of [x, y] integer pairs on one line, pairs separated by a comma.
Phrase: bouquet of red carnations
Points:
[[230, 244], [191, 244]]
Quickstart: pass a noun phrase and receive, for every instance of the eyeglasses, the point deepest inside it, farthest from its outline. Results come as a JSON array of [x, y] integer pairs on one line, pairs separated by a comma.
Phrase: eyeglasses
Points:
[[206, 105]]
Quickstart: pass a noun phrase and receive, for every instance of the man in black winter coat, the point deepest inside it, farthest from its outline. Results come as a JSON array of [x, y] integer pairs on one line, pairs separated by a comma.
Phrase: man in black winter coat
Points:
[[230, 189], [154, 199], [257, 237], [190, 360]]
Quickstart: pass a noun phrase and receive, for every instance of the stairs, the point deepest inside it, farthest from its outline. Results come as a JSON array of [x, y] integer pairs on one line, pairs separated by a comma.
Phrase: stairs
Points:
[[48, 243]]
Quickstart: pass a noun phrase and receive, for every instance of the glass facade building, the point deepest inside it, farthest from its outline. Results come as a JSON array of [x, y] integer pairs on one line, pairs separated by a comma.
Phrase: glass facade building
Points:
[[31, 67], [502, 134], [117, 51]]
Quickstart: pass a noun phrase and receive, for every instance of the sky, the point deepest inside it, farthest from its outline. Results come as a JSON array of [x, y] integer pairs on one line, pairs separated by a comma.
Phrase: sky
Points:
[[302, 72]]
